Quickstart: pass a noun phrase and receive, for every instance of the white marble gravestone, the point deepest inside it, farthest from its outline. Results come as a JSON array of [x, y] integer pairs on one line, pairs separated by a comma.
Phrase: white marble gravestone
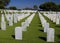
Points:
[[10, 23], [57, 20], [24, 26], [7, 16], [18, 33], [27, 22], [19, 17], [54, 20], [46, 27], [3, 23], [15, 18], [50, 35], [11, 20]]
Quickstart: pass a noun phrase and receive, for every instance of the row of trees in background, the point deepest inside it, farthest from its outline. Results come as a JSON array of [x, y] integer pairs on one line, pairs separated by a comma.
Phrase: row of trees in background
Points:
[[49, 6], [12, 8]]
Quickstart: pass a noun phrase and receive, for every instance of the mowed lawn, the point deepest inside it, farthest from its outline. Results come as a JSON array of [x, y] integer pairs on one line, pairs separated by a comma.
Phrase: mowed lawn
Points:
[[34, 33]]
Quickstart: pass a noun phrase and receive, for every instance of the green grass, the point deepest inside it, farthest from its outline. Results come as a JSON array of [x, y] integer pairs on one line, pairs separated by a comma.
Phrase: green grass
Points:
[[6, 36], [34, 33], [57, 29]]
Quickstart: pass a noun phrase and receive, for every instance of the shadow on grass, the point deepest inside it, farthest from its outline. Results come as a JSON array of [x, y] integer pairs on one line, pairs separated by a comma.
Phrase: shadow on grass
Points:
[[41, 30], [58, 36], [57, 26], [43, 38], [0, 28], [54, 23], [40, 25], [13, 36], [8, 24], [58, 41]]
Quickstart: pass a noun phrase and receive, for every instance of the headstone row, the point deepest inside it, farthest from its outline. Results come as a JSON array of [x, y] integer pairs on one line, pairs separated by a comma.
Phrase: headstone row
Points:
[[15, 18], [11, 18], [50, 31], [53, 17]]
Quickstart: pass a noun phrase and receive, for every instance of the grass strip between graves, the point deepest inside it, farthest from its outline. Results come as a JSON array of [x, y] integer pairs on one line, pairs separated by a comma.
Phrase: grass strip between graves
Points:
[[34, 33]]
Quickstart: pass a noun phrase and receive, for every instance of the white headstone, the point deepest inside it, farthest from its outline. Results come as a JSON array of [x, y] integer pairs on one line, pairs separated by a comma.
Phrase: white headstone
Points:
[[18, 33], [23, 26], [2, 18], [46, 27], [15, 18], [11, 20], [57, 21], [50, 35], [3, 23], [10, 23]]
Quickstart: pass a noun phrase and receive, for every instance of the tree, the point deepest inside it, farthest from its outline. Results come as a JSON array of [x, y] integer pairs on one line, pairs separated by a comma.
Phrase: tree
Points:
[[58, 7], [13, 8], [35, 7], [4, 3], [48, 6]]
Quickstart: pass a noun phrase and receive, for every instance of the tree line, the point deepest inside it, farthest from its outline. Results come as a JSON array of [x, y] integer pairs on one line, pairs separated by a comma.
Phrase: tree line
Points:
[[50, 6]]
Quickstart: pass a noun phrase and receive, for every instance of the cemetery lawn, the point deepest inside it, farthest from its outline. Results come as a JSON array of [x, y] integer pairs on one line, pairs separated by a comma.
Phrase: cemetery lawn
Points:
[[56, 27], [34, 33]]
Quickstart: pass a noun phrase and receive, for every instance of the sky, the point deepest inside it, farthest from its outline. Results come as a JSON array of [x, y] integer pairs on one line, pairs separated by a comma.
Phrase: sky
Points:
[[20, 4]]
